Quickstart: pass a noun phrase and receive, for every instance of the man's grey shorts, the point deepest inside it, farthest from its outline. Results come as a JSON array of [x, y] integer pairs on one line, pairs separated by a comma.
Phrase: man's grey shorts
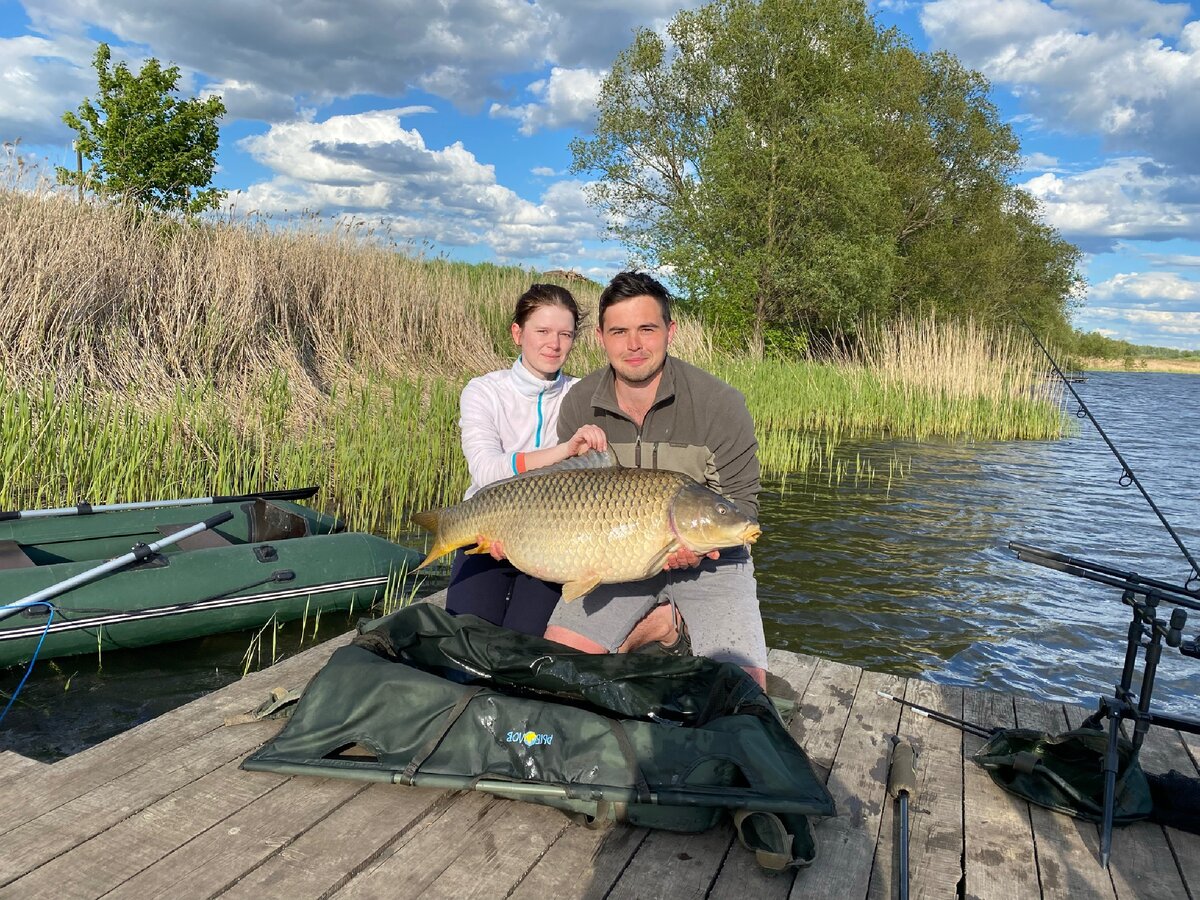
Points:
[[718, 600]]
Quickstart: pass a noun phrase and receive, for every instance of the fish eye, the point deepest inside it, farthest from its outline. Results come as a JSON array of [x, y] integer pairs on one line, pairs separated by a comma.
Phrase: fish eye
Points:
[[722, 509]]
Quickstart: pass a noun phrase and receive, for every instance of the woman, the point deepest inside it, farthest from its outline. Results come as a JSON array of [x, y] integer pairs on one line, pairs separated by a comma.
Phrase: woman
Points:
[[508, 423]]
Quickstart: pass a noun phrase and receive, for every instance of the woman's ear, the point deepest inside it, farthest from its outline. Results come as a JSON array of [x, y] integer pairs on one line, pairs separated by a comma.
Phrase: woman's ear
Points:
[[515, 330]]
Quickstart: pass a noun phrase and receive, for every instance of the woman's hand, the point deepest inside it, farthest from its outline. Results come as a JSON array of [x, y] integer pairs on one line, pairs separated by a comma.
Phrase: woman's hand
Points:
[[588, 437]]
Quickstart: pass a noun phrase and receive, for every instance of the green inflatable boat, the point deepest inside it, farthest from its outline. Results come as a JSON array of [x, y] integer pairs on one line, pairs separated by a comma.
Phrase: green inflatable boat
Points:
[[270, 558]]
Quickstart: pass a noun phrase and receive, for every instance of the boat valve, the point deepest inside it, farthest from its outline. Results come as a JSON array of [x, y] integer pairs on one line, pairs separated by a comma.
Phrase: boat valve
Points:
[[283, 575]]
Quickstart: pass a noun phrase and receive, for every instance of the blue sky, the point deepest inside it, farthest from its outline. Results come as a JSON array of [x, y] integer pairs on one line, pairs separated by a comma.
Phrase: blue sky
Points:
[[449, 122]]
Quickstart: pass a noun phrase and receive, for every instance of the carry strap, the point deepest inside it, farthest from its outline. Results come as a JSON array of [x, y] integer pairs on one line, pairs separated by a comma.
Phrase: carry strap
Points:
[[426, 751], [631, 760], [279, 705]]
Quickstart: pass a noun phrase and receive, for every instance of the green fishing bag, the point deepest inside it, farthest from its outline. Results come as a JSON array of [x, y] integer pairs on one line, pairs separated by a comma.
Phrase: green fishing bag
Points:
[[1064, 772], [424, 698]]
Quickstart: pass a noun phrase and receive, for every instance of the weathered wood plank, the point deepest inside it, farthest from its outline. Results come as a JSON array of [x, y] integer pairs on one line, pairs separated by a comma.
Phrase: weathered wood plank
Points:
[[225, 849], [477, 846], [669, 866], [14, 766], [934, 809], [118, 853], [1068, 850], [1000, 861], [349, 840], [68, 779], [858, 783], [823, 711], [1142, 862], [66, 825], [582, 863], [1192, 742]]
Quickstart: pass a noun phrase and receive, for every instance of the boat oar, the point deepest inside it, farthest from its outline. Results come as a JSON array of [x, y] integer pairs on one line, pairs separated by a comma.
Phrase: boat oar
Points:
[[139, 552], [85, 509], [902, 782]]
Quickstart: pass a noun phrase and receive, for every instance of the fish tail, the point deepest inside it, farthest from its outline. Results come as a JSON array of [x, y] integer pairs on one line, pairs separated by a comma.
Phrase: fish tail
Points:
[[431, 520]]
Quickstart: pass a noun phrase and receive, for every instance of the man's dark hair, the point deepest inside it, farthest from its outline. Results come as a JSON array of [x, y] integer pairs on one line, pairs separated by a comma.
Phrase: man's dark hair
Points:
[[635, 284]]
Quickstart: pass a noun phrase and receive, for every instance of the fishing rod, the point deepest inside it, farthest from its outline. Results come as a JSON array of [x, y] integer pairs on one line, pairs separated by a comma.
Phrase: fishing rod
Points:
[[1128, 477]]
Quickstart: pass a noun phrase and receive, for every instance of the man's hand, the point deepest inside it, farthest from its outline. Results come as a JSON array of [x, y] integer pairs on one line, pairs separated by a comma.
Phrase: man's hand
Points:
[[684, 558], [588, 437]]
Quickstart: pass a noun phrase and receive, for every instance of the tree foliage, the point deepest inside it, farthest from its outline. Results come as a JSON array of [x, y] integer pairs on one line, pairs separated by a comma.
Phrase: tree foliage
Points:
[[797, 168], [145, 143]]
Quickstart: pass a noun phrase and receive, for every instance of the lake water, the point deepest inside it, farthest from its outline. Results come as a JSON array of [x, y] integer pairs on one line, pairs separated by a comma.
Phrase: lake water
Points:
[[914, 578], [918, 578]]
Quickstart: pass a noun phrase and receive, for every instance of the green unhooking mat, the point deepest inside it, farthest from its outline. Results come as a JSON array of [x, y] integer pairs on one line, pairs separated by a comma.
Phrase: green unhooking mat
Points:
[[427, 699]]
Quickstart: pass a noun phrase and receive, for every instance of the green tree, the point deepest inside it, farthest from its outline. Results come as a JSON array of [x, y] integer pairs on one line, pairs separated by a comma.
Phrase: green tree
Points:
[[146, 144], [798, 168]]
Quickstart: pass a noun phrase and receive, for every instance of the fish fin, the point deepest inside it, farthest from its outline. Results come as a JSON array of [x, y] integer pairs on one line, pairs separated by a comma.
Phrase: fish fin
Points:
[[573, 590], [593, 459], [660, 559], [439, 550], [428, 519], [484, 546]]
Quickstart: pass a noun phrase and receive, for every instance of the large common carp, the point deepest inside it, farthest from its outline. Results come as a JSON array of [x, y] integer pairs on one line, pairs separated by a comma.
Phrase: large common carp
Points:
[[588, 521]]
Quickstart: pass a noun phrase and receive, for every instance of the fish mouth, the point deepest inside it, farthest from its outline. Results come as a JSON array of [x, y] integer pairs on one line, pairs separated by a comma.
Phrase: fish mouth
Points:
[[751, 534]]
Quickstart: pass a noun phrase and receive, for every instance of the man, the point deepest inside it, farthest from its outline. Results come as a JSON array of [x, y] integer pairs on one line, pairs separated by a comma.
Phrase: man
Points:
[[659, 412]]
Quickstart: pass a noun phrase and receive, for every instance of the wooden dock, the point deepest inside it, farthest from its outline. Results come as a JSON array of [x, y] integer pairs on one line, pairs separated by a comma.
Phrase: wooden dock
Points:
[[164, 811]]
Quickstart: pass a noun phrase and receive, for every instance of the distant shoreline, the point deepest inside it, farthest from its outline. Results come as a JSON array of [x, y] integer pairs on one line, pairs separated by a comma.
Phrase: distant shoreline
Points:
[[1172, 366]]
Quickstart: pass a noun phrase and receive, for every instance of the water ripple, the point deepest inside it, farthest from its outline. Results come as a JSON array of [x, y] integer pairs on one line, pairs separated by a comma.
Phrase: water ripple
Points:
[[919, 579]]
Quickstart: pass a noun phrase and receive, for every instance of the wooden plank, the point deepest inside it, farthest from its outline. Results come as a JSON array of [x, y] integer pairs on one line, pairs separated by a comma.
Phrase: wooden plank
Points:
[[1143, 863], [477, 846], [998, 849], [582, 863], [124, 753], [116, 854], [349, 840], [69, 824], [823, 712], [1192, 742], [229, 847], [935, 810], [674, 866], [14, 766], [858, 783], [1068, 850]]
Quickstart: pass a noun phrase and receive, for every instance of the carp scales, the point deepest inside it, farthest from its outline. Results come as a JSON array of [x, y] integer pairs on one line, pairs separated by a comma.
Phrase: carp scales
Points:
[[588, 521]]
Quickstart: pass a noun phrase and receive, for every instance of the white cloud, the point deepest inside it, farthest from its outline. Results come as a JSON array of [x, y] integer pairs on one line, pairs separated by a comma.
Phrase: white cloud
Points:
[[252, 101], [567, 97], [1124, 198], [1040, 162], [369, 165], [1147, 288], [543, 172], [1150, 326], [456, 49], [1090, 66], [40, 79]]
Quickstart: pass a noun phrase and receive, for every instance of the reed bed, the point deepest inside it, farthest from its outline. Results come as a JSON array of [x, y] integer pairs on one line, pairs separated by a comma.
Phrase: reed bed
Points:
[[143, 357]]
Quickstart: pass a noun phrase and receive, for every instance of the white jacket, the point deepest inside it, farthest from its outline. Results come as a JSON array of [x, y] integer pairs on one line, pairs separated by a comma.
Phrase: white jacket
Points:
[[505, 413]]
